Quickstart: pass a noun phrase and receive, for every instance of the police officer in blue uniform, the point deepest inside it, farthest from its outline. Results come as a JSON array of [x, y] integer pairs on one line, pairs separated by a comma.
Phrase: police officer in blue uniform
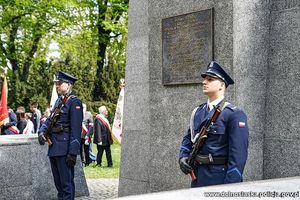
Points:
[[223, 155], [65, 136]]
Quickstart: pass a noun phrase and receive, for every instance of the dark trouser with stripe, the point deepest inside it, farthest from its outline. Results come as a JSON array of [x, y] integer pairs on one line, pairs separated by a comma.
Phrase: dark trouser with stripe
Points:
[[63, 178], [107, 152]]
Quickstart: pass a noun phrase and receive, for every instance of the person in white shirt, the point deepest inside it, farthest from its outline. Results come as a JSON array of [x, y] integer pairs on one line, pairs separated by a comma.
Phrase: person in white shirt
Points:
[[29, 129]]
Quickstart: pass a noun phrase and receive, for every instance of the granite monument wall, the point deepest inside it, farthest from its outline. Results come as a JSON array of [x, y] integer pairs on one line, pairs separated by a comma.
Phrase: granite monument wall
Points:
[[282, 123], [25, 170], [257, 41]]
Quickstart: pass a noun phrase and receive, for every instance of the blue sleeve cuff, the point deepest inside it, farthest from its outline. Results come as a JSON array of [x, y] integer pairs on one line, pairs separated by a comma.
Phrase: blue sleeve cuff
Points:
[[184, 152], [234, 170], [233, 176]]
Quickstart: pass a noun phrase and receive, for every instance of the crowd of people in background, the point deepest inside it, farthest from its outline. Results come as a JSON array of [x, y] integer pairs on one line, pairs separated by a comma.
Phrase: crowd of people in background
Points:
[[22, 122], [101, 130]]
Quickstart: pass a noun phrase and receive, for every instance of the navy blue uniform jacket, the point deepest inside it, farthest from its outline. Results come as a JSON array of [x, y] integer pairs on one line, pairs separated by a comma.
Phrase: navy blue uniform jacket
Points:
[[228, 137], [68, 140]]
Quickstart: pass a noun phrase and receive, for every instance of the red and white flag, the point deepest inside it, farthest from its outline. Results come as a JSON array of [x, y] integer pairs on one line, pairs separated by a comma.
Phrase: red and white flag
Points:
[[242, 124], [3, 105]]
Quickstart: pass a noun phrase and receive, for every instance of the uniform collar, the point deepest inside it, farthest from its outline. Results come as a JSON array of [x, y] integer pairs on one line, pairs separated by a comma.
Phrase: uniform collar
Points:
[[214, 103]]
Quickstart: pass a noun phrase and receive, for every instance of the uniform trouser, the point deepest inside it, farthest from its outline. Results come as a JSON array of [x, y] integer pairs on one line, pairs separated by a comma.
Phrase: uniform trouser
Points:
[[107, 152], [209, 175], [63, 178]]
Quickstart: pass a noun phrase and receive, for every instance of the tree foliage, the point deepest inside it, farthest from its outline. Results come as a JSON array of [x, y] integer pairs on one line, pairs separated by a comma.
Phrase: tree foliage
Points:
[[90, 36]]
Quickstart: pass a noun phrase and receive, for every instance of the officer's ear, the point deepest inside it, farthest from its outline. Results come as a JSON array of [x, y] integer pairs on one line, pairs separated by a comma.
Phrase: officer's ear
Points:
[[222, 86]]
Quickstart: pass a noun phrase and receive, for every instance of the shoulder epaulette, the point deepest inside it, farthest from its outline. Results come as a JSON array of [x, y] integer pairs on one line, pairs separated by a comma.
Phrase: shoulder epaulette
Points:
[[72, 96], [201, 106], [231, 107]]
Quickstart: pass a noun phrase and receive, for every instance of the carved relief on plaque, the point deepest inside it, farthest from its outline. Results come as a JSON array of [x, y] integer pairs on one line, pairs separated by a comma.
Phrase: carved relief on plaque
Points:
[[278, 5], [187, 47]]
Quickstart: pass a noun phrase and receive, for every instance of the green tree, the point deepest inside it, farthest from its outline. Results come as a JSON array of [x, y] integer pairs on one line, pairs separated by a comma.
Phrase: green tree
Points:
[[99, 50], [111, 25], [91, 37], [25, 25]]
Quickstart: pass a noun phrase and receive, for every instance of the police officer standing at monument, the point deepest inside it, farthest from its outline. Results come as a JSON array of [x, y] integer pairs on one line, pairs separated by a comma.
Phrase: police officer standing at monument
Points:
[[64, 136], [223, 155]]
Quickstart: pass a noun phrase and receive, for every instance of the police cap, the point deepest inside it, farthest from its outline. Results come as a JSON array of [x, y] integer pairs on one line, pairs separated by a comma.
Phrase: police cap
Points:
[[62, 76], [215, 70]]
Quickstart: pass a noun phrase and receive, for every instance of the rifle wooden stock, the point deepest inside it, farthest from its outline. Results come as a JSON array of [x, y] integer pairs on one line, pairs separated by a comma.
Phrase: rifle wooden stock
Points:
[[193, 176], [49, 141], [201, 138]]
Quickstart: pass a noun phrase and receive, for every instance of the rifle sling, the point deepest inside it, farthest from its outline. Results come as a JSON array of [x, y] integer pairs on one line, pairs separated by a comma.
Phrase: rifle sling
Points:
[[56, 129], [223, 104]]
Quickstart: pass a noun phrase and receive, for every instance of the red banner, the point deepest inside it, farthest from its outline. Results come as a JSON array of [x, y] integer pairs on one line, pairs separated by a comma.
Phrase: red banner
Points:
[[3, 104]]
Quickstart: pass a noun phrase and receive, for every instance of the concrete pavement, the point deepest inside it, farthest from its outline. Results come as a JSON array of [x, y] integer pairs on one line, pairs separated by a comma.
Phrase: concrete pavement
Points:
[[104, 188]]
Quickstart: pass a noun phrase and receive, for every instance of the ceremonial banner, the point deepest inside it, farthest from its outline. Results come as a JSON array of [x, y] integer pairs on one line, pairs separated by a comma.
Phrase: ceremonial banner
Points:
[[54, 95], [118, 119]]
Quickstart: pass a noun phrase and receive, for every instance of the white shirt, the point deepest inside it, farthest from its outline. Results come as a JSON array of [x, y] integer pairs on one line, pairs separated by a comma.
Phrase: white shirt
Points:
[[29, 129], [214, 103]]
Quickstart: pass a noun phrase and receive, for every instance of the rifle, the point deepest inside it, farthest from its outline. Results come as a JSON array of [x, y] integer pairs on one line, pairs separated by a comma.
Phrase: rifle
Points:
[[200, 138], [53, 119]]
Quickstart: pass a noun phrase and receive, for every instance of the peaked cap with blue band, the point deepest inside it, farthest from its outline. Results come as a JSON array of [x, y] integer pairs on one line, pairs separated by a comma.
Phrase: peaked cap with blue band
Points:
[[215, 70], [62, 76]]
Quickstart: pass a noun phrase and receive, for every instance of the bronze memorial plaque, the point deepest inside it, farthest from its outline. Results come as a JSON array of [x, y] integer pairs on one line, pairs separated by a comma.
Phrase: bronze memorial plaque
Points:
[[187, 47]]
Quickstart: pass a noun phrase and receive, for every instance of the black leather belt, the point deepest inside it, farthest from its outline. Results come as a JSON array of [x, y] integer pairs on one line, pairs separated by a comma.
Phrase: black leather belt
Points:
[[211, 160], [60, 128]]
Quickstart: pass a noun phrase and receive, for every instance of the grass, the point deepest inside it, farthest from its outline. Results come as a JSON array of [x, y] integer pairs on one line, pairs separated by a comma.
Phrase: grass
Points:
[[93, 171]]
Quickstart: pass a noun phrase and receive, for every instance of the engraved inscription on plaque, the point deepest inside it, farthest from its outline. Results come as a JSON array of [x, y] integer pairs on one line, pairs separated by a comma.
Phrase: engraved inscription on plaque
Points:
[[187, 47], [278, 5]]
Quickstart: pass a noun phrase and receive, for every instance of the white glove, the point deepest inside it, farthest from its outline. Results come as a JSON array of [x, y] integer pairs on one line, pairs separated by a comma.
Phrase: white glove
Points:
[[100, 143]]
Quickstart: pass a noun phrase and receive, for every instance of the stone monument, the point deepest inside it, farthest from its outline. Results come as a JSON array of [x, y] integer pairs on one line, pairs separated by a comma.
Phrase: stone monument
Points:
[[25, 170], [169, 42]]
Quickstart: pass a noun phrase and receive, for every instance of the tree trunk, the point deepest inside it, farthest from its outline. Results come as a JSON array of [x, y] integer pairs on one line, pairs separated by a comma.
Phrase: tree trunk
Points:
[[11, 48], [29, 58], [103, 39]]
